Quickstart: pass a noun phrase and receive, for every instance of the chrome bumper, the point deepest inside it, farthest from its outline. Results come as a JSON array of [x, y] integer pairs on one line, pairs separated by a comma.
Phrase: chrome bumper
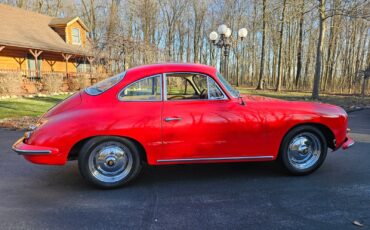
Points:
[[23, 149], [348, 143]]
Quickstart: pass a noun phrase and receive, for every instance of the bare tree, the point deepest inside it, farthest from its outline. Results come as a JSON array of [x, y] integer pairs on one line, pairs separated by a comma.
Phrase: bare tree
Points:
[[278, 84], [262, 62]]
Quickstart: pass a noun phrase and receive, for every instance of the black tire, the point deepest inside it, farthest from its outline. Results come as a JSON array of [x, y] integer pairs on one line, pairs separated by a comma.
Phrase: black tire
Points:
[[295, 133], [131, 152]]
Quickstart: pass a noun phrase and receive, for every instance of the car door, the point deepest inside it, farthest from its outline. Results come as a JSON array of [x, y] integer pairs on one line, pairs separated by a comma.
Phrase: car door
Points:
[[138, 115], [207, 125]]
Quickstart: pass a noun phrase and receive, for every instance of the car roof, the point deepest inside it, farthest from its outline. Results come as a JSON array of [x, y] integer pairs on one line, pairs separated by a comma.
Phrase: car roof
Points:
[[148, 70]]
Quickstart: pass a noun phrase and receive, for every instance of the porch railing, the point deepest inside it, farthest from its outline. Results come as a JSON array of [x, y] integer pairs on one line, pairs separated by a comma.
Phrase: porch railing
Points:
[[33, 75]]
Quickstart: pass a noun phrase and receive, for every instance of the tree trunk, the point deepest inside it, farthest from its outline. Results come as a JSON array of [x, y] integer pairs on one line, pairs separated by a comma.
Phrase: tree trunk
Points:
[[299, 52], [320, 45], [260, 81], [278, 84]]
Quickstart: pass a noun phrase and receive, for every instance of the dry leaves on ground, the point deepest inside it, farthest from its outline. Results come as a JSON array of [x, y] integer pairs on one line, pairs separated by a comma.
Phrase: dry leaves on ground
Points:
[[18, 123]]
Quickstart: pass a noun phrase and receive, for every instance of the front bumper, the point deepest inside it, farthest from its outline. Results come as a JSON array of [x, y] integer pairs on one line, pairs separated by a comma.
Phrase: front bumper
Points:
[[348, 143], [38, 154]]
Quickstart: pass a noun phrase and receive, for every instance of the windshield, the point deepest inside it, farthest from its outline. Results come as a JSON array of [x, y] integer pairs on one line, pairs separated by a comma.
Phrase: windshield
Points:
[[226, 84], [104, 85]]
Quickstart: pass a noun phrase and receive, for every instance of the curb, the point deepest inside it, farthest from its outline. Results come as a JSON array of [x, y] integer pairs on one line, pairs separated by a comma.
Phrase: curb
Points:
[[356, 109]]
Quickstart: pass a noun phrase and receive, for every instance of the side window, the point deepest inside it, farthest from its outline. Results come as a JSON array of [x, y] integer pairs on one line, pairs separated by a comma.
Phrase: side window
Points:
[[181, 87], [200, 82], [215, 92], [192, 86], [147, 89]]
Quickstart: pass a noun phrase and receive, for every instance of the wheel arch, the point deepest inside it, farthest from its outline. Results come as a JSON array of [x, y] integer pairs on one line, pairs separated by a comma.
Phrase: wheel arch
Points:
[[325, 130], [73, 153]]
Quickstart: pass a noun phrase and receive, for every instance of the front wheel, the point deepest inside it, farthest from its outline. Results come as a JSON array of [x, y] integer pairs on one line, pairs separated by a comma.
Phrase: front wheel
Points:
[[109, 162], [303, 150]]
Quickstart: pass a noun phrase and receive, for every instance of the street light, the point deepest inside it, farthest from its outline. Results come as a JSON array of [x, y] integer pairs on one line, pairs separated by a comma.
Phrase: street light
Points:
[[224, 42]]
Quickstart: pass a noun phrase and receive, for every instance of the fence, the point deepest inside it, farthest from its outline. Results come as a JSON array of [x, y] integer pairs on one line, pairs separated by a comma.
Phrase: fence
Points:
[[37, 75]]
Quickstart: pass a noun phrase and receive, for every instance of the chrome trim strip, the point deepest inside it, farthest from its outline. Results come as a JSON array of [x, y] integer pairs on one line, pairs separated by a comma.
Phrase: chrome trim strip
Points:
[[164, 86], [215, 159]]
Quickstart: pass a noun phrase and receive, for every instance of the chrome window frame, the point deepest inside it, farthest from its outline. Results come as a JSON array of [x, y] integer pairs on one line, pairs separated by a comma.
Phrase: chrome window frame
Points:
[[161, 89], [225, 97]]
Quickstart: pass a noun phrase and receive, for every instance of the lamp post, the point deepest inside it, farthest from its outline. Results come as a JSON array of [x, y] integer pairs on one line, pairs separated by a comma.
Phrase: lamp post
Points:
[[224, 42]]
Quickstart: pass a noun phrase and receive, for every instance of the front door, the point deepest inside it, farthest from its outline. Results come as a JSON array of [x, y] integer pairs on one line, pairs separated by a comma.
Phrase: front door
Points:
[[200, 123]]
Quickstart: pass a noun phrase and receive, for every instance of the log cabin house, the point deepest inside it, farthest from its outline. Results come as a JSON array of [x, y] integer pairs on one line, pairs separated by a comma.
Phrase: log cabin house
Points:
[[35, 44]]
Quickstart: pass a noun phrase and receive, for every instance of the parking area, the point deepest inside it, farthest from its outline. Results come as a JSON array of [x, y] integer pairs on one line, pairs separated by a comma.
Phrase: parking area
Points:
[[216, 196]]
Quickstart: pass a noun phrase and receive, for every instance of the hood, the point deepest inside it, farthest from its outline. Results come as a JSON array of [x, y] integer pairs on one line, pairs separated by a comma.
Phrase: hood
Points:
[[295, 107], [258, 98]]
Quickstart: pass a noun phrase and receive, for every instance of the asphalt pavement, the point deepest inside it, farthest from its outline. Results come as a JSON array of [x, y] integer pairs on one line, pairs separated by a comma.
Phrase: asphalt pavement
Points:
[[214, 196]]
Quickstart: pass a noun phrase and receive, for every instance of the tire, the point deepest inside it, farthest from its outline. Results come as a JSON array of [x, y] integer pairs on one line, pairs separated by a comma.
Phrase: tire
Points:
[[303, 150], [109, 162]]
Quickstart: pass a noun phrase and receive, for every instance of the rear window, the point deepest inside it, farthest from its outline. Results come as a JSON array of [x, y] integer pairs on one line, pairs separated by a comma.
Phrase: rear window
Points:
[[104, 85]]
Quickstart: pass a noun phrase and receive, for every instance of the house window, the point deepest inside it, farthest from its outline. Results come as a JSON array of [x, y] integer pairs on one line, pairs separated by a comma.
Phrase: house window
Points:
[[82, 66], [76, 36]]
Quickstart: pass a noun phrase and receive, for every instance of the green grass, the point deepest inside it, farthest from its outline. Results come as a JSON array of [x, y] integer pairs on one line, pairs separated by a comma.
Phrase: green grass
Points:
[[19, 107], [335, 99]]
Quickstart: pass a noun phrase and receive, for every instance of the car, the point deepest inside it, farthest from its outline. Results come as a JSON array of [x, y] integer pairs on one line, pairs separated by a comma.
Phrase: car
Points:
[[172, 113]]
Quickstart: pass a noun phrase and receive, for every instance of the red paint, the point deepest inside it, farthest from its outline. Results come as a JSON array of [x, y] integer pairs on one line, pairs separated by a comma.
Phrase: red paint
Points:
[[208, 129]]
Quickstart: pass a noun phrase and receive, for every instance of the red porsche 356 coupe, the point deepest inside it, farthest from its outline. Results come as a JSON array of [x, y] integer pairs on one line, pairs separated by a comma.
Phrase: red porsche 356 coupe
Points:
[[176, 114]]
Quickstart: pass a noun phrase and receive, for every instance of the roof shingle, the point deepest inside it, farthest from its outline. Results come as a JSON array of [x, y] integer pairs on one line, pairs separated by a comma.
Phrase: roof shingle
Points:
[[26, 29]]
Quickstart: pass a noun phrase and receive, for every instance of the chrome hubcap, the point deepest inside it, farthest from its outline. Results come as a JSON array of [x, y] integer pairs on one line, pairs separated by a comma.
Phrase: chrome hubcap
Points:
[[110, 162], [304, 150]]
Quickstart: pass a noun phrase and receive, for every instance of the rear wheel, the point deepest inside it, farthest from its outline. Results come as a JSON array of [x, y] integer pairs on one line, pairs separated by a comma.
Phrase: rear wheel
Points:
[[303, 150], [109, 162]]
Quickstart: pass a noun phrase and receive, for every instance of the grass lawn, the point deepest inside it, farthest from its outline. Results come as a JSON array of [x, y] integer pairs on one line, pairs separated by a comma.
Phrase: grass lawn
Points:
[[18, 107], [345, 101]]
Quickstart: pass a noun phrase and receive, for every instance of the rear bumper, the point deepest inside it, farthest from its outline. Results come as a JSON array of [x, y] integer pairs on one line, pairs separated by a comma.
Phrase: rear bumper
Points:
[[23, 149], [38, 154]]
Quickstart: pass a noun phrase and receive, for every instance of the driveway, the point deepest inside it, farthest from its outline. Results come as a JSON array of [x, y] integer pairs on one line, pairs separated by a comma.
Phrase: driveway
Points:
[[216, 196]]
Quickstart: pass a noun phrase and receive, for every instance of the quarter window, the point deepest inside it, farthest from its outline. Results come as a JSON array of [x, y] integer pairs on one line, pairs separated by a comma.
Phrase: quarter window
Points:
[[215, 92], [147, 89]]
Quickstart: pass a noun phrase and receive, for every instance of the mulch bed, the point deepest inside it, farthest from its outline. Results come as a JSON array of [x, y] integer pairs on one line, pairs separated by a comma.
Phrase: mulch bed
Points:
[[20, 123]]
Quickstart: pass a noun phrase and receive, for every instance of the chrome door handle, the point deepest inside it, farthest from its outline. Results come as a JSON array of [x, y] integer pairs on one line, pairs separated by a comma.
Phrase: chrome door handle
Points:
[[168, 119]]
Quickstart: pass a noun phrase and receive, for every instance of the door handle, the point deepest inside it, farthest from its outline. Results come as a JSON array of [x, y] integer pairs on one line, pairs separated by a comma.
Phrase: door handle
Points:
[[168, 119]]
